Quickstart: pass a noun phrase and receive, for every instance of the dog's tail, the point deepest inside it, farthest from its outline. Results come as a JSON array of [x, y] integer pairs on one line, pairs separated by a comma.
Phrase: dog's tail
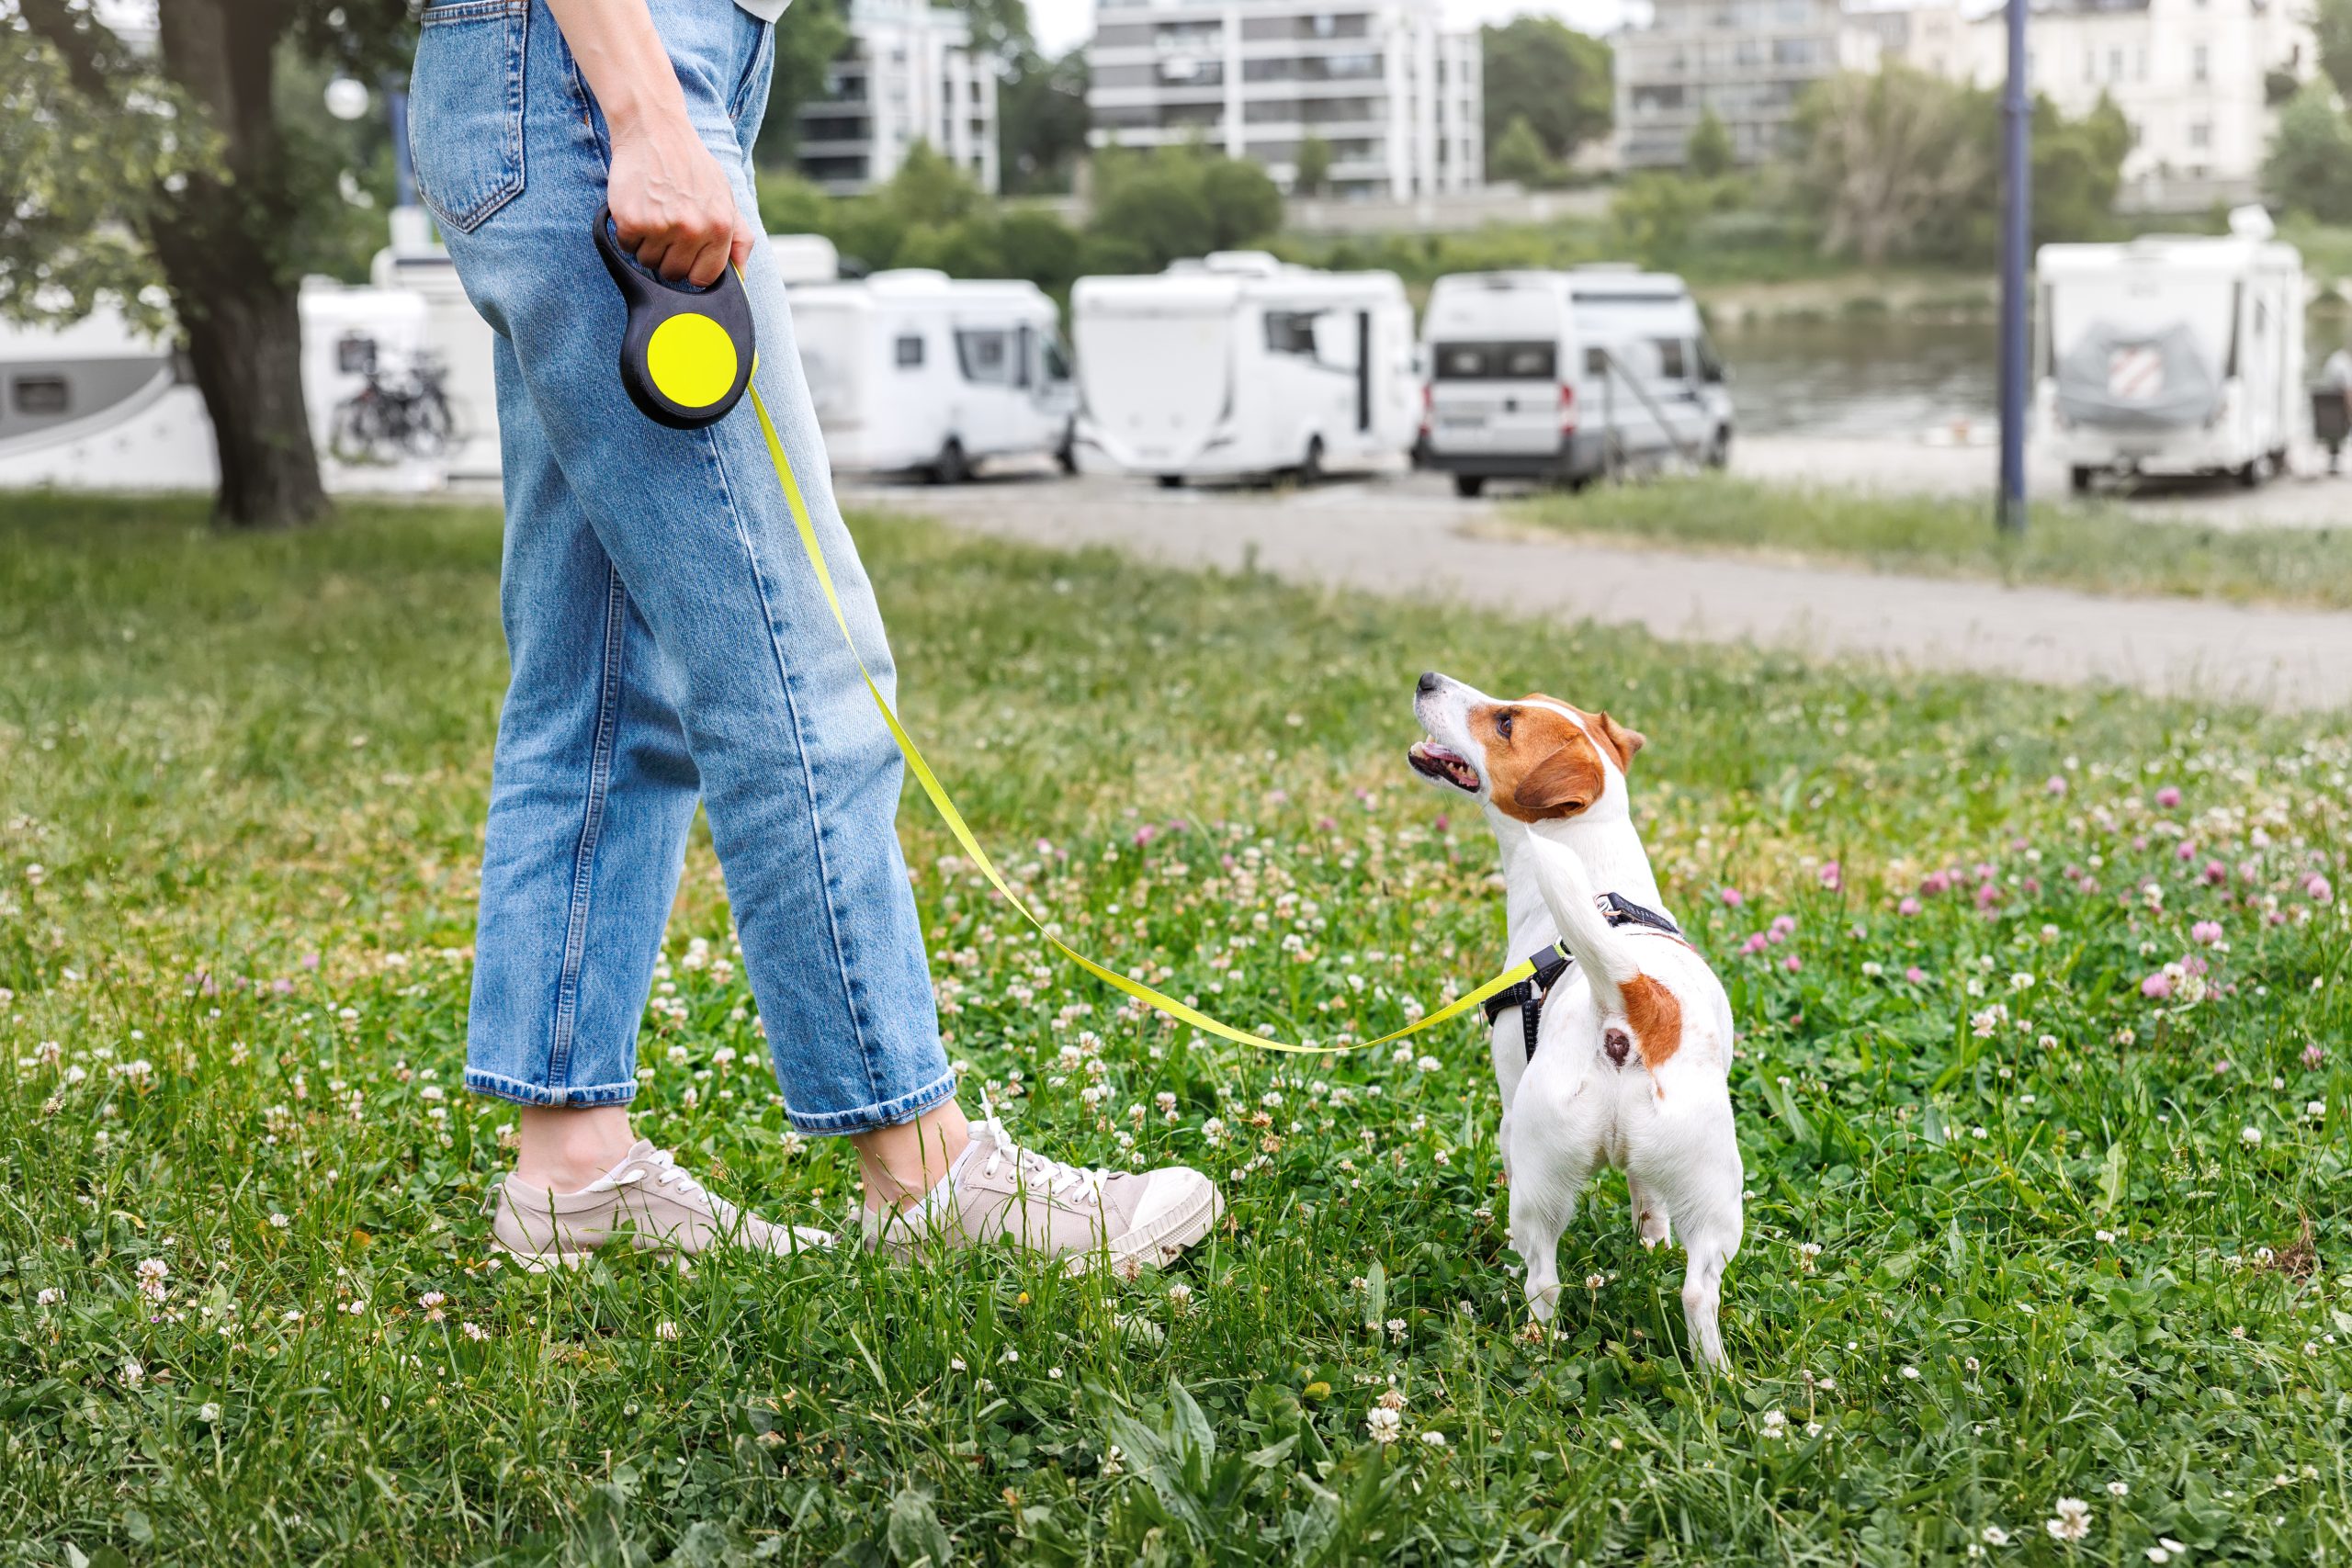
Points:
[[1598, 950]]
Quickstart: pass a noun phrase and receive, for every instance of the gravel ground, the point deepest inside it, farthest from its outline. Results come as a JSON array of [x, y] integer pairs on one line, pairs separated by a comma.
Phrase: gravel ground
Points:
[[1407, 535]]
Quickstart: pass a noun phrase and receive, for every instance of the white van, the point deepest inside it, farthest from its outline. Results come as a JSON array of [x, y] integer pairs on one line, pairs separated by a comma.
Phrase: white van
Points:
[[2171, 355], [913, 370], [1239, 367], [1564, 375]]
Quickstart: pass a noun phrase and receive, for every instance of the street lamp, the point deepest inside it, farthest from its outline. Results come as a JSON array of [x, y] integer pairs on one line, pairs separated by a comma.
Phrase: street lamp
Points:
[[2016, 224]]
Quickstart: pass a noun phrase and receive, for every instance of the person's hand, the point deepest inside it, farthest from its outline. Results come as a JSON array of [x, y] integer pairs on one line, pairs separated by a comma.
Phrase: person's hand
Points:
[[672, 204]]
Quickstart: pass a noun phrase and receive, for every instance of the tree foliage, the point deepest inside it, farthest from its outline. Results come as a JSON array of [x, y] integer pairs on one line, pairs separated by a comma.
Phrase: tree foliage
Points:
[[809, 36], [1042, 121], [2309, 166], [1520, 156], [1313, 166], [2331, 27], [1558, 80], [1151, 208], [1708, 153], [1898, 165]]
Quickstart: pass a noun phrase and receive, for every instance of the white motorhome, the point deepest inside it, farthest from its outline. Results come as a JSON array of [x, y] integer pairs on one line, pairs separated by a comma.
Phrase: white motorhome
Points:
[[1240, 366], [2172, 354], [911, 370], [99, 405], [1564, 375]]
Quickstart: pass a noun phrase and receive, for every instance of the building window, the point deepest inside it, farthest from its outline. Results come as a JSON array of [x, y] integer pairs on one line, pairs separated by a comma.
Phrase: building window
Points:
[[2197, 63], [2200, 134], [909, 353]]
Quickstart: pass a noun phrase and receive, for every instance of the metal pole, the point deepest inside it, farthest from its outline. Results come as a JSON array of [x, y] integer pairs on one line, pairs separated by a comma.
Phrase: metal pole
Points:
[[2016, 238]]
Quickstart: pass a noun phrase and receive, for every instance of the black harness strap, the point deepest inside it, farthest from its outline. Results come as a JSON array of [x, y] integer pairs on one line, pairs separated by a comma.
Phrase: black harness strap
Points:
[[1552, 965]]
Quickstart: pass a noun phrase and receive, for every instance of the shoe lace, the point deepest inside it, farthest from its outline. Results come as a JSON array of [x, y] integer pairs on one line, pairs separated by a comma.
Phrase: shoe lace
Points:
[[1056, 1178], [669, 1175]]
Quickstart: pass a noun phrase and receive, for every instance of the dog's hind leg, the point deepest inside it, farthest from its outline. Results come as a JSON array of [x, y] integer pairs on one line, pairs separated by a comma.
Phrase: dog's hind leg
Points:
[[1649, 1214], [1542, 1202], [1710, 1250]]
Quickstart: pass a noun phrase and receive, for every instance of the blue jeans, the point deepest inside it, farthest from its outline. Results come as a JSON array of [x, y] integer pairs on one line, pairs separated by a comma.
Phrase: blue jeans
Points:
[[668, 640]]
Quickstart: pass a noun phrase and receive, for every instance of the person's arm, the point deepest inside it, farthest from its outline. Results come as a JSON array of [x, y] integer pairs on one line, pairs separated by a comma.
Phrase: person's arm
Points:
[[671, 200]]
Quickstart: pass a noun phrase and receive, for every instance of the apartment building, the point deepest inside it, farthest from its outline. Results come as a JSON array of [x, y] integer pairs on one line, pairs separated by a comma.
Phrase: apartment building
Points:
[[1747, 60], [1394, 94], [908, 74], [2200, 80]]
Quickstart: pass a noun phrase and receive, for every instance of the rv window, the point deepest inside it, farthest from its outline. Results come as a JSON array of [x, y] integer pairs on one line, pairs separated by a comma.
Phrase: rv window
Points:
[[41, 395], [1056, 362], [985, 356], [1672, 366], [1711, 368], [1494, 361], [1291, 331], [1596, 361], [911, 353], [354, 355]]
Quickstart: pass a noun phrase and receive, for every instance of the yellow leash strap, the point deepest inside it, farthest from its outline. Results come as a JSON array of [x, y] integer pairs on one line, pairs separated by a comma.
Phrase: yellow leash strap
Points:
[[957, 826]]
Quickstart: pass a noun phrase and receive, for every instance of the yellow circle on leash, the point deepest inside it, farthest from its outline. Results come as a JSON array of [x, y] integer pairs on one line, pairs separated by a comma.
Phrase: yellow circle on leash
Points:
[[691, 359]]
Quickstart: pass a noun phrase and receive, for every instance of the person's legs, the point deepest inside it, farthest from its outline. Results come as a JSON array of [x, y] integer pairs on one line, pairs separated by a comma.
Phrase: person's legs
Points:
[[709, 630]]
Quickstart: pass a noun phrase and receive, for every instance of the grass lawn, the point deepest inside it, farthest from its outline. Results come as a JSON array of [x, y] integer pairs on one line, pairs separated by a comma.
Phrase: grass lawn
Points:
[[2100, 548], [2020, 1229]]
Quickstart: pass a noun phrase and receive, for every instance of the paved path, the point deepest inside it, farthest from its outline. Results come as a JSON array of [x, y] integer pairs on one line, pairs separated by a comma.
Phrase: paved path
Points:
[[1409, 537]]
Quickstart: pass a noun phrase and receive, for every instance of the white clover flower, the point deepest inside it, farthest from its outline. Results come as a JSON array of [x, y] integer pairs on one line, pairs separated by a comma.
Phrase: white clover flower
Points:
[[134, 1374], [1434, 1437], [1776, 1424], [1994, 1534], [473, 1330], [49, 1297], [2071, 1520], [208, 1411], [665, 1329], [1384, 1424], [2251, 1136]]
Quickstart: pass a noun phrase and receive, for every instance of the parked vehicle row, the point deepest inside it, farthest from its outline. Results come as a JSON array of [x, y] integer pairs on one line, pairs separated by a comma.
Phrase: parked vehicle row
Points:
[[1233, 366]]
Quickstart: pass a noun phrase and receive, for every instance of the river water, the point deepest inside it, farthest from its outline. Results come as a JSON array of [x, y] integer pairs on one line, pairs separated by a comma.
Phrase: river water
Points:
[[1884, 378]]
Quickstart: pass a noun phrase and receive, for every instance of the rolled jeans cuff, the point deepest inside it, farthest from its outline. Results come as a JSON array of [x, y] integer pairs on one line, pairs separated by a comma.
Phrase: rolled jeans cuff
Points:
[[521, 1093], [869, 1118]]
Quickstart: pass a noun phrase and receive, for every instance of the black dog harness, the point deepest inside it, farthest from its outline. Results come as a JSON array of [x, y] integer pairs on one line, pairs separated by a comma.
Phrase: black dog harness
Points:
[[1553, 964]]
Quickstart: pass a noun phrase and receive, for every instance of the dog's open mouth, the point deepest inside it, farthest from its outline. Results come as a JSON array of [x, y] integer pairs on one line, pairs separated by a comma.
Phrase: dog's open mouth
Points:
[[1433, 760]]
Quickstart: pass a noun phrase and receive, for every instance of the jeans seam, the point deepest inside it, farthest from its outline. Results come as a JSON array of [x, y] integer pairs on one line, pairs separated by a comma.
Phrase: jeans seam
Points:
[[800, 750], [583, 873], [876, 1114]]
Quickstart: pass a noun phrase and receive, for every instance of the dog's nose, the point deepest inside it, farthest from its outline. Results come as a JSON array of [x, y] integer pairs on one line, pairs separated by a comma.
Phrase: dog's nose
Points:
[[1431, 680]]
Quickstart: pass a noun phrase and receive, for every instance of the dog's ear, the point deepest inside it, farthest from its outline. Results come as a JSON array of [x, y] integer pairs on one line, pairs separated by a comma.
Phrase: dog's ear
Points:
[[1618, 739], [1566, 781]]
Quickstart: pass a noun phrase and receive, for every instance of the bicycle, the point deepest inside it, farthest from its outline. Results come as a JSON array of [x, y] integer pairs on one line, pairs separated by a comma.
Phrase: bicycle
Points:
[[390, 419]]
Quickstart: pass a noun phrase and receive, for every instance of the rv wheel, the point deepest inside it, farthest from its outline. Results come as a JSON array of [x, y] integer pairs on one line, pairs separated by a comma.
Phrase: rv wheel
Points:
[[951, 467], [1310, 469], [1171, 481], [2254, 472], [1719, 449], [1467, 486], [2078, 479]]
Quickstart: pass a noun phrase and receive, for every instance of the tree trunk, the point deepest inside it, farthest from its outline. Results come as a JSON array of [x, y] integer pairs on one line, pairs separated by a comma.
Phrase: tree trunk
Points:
[[222, 248]]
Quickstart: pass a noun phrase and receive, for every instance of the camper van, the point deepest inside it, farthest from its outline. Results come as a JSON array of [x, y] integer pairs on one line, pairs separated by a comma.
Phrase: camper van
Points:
[[1563, 375], [915, 370], [98, 404], [2171, 355], [1238, 366]]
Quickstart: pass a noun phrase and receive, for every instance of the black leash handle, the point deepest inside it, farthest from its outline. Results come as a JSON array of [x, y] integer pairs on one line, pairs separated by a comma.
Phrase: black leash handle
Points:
[[688, 352]]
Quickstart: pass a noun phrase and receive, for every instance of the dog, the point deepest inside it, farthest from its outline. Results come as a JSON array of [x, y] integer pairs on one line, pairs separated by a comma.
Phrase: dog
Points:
[[1628, 1062]]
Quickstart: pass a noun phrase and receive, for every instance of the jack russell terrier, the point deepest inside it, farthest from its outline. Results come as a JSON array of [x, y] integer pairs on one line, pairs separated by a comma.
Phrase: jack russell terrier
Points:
[[1619, 1054]]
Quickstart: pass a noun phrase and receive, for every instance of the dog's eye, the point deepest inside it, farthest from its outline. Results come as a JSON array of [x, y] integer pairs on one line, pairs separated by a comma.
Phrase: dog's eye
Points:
[[1502, 724]]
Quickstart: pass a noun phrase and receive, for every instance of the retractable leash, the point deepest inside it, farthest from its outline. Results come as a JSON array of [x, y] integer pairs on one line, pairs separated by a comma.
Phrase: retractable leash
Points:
[[680, 376]]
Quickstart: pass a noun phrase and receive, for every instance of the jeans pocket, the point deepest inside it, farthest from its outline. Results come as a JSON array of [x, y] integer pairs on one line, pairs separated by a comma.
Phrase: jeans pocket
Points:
[[751, 95], [465, 108]]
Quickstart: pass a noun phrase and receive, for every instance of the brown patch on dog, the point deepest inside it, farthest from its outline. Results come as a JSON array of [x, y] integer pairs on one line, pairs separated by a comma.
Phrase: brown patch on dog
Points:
[[1624, 742], [1541, 762], [1656, 1018]]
